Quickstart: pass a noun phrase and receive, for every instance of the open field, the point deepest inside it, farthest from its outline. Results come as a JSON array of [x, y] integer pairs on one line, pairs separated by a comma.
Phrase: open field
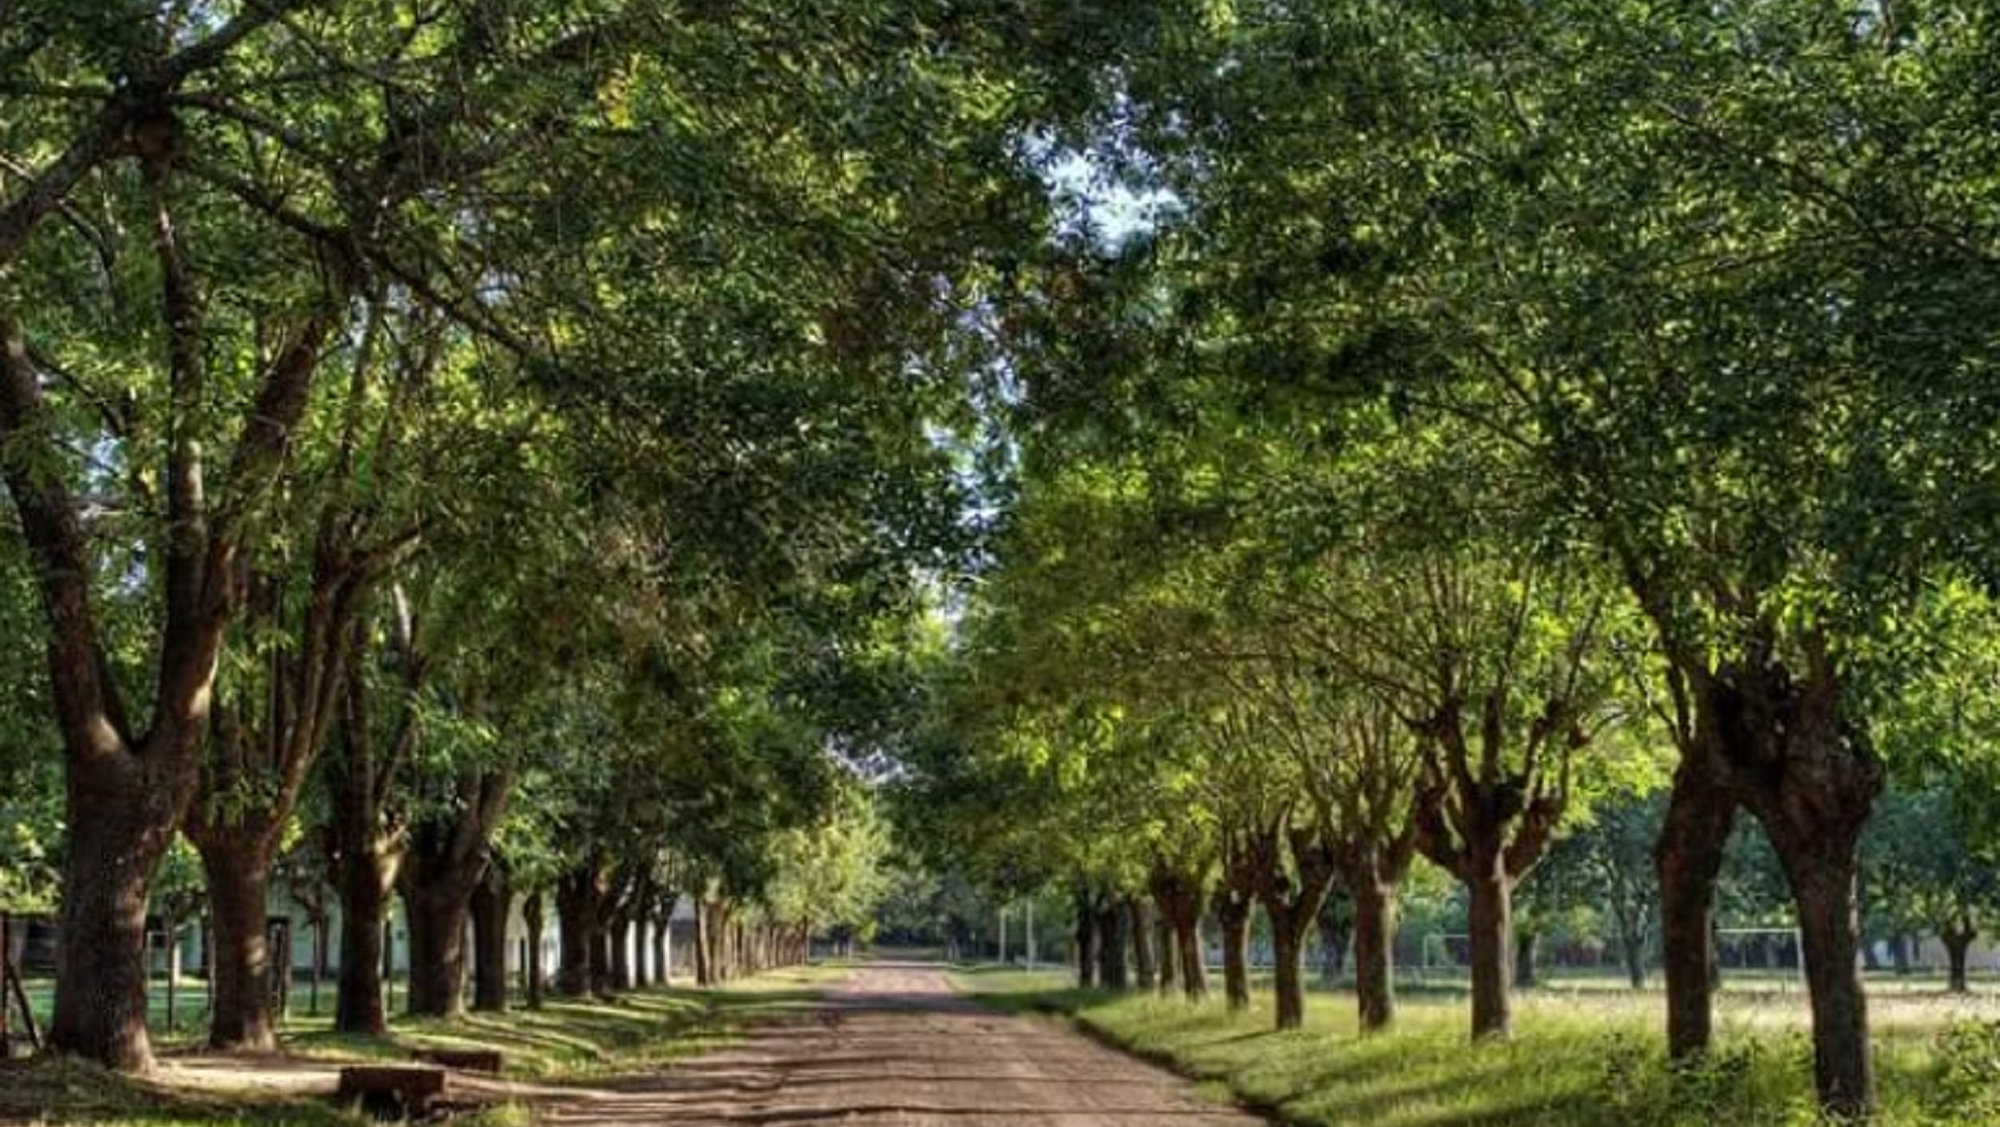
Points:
[[1580, 1057]]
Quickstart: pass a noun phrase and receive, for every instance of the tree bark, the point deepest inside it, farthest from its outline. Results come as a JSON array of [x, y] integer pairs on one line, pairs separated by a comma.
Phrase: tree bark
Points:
[[1163, 942], [365, 842], [1113, 973], [579, 908], [1689, 856], [1490, 921], [238, 868], [531, 916], [492, 903], [437, 924], [446, 862], [1292, 894], [100, 1011], [1145, 957], [1181, 897], [1957, 940], [663, 952], [1232, 917], [1087, 939], [1824, 875], [1375, 954]]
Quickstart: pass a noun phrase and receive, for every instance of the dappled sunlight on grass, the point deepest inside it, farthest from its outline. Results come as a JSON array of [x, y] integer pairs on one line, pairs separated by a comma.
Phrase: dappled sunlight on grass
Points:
[[1578, 1059], [53, 1090]]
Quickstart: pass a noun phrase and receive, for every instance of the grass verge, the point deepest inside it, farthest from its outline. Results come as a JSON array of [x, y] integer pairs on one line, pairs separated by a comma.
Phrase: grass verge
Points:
[[1577, 1060], [565, 1042]]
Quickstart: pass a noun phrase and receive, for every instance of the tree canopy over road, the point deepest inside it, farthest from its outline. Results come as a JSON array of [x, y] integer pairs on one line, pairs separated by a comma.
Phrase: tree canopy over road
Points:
[[1230, 462]]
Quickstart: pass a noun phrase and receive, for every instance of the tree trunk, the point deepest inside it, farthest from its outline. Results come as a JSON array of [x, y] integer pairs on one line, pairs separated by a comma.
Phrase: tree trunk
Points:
[[1193, 959], [1635, 960], [531, 917], [1527, 944], [1957, 946], [1288, 978], [1145, 958], [579, 907], [1490, 920], [1112, 970], [618, 941], [1899, 953], [437, 920], [704, 975], [1232, 915], [1375, 954], [491, 905], [365, 880], [1823, 873], [100, 1005], [238, 869], [1163, 942], [1087, 939], [663, 951], [1689, 858]]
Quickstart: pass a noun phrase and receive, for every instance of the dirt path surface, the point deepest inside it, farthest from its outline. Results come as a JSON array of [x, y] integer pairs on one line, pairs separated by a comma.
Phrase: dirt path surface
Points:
[[895, 1045]]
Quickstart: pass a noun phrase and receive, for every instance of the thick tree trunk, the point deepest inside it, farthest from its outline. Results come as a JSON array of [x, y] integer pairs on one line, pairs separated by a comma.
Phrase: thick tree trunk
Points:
[[100, 1006], [1112, 971], [1293, 873], [579, 907], [238, 869], [1375, 954], [531, 916], [437, 920], [365, 880], [1232, 916], [1288, 983], [1193, 959], [1689, 858], [1957, 946], [1490, 920], [492, 903], [1145, 957], [1823, 873], [1527, 946]]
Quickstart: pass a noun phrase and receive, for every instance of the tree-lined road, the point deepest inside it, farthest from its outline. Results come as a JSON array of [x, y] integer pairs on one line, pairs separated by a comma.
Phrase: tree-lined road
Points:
[[894, 1045]]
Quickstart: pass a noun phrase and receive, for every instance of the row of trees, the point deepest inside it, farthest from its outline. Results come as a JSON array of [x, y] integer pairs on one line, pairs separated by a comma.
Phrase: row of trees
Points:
[[488, 443], [1513, 407]]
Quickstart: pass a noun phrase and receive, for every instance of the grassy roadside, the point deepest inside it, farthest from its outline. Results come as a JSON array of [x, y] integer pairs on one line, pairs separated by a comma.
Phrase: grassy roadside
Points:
[[565, 1042], [1578, 1060]]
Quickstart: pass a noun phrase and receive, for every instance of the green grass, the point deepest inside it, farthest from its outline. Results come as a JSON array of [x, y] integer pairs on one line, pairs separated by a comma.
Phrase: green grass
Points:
[[1579, 1058], [573, 1041], [59, 1092], [565, 1042]]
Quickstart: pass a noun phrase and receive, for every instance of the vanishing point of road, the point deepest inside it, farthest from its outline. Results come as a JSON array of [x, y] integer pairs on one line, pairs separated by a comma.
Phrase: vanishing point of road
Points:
[[894, 1045]]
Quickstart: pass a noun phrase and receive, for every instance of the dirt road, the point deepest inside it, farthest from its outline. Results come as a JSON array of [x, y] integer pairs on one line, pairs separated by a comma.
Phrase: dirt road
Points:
[[894, 1045]]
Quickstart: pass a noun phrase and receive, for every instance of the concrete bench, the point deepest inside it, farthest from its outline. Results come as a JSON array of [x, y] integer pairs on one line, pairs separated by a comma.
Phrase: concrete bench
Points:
[[385, 1091], [465, 1060]]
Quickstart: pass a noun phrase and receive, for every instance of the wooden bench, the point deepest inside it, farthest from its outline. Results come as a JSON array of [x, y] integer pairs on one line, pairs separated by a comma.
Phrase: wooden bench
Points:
[[466, 1060], [392, 1091]]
